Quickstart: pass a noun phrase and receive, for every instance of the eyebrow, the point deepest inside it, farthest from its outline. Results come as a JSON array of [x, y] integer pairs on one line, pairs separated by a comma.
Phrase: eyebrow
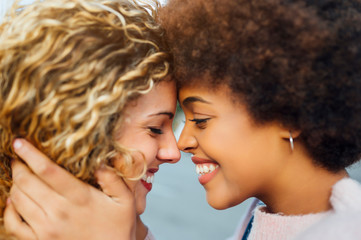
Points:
[[169, 114], [193, 99]]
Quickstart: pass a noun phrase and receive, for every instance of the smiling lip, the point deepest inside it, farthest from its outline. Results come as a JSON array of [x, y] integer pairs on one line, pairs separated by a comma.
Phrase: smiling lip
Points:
[[148, 186], [150, 172], [205, 178], [198, 160], [153, 170]]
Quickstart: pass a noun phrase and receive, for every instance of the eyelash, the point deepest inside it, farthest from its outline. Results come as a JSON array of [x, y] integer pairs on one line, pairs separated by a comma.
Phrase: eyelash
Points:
[[156, 130], [200, 122]]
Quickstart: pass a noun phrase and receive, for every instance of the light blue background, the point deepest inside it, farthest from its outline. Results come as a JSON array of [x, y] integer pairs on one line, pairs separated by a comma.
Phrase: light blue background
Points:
[[177, 208]]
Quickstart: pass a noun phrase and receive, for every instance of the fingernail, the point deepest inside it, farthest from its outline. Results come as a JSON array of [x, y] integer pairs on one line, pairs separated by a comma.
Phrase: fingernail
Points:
[[8, 201], [17, 144], [102, 166]]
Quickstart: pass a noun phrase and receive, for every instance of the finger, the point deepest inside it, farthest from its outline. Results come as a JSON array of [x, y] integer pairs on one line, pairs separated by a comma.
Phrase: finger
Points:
[[52, 174], [14, 224], [113, 185], [31, 212], [32, 186]]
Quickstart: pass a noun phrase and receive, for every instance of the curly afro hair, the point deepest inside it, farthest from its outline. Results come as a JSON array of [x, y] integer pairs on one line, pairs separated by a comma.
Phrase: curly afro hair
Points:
[[294, 62]]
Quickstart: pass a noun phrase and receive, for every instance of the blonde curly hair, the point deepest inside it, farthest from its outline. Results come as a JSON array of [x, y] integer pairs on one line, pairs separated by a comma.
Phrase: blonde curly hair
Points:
[[68, 68]]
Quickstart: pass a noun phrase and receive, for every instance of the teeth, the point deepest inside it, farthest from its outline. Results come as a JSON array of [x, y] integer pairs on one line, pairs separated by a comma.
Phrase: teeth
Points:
[[202, 169], [198, 170], [148, 179], [212, 168]]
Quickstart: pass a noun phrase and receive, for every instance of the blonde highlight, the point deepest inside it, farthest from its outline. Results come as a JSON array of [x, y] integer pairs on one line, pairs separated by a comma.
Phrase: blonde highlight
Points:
[[68, 68]]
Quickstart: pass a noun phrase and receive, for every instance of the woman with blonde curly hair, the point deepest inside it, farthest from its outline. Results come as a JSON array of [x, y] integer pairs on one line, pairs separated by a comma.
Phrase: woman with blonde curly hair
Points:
[[85, 83]]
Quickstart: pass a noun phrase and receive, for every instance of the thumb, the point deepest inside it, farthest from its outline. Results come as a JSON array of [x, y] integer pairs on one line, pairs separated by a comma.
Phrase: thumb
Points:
[[113, 185]]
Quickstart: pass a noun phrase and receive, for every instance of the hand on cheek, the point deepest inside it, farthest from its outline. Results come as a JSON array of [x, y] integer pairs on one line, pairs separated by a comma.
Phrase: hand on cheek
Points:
[[55, 204]]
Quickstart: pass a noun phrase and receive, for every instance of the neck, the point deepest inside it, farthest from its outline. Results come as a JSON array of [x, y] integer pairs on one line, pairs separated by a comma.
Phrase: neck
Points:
[[301, 187], [142, 230]]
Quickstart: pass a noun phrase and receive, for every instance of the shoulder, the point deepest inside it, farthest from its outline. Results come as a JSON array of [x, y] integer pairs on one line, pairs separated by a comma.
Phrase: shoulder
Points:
[[346, 195], [343, 225], [345, 222]]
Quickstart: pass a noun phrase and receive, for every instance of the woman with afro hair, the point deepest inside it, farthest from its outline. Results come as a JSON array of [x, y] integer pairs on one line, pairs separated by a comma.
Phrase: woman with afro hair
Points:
[[271, 91]]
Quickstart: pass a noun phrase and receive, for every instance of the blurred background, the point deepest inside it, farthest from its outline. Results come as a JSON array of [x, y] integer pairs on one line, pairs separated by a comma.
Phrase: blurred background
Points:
[[176, 207]]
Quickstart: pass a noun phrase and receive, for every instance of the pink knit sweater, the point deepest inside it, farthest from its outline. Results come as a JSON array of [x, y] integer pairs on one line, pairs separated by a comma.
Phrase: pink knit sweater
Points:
[[346, 204], [268, 226]]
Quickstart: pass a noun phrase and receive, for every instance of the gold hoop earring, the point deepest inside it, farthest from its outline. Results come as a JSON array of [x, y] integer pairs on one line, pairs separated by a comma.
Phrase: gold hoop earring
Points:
[[291, 141]]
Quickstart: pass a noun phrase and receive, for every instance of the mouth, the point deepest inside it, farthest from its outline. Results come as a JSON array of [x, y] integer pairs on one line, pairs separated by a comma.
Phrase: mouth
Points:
[[206, 169], [148, 178]]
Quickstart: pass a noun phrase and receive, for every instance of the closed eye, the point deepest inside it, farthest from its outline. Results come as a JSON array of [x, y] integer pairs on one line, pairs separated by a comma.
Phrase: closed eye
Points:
[[156, 130], [199, 120], [201, 123]]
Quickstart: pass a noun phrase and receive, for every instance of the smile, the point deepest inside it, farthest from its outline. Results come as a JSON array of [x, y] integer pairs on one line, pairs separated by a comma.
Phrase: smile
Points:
[[206, 168], [148, 178]]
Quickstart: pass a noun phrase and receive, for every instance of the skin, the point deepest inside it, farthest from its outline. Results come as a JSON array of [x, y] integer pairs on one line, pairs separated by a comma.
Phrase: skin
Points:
[[52, 210], [148, 129], [255, 160]]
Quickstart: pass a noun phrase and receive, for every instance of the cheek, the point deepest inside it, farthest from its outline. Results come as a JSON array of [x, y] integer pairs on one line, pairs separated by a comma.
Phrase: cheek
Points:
[[139, 193], [132, 185], [217, 142], [233, 152], [150, 151], [135, 170]]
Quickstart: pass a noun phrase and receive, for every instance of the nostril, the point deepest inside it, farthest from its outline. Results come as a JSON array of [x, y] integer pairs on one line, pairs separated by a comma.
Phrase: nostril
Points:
[[187, 148]]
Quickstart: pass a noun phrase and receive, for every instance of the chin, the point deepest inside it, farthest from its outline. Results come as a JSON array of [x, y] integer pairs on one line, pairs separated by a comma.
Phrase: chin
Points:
[[140, 210], [140, 199], [220, 203], [140, 206]]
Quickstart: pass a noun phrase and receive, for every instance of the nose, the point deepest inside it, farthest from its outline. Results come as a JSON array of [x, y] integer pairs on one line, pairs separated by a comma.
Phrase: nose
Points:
[[168, 151], [187, 141]]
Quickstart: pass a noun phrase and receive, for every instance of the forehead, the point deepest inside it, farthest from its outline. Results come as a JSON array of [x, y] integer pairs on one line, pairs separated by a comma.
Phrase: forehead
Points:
[[221, 91], [162, 97]]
